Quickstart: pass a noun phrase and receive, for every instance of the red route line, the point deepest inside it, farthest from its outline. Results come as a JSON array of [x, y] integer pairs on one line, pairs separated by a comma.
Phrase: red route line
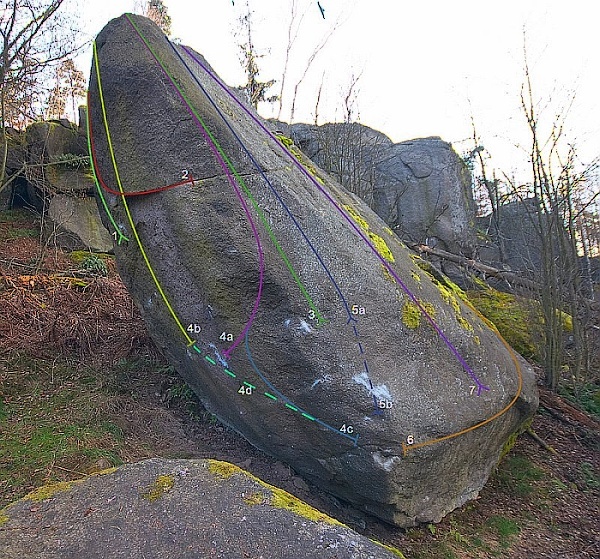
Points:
[[127, 194]]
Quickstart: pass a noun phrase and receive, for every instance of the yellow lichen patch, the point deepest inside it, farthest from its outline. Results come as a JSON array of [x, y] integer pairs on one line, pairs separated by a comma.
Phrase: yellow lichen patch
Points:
[[388, 231], [224, 469], [283, 500], [3, 518], [464, 323], [411, 315], [162, 484], [256, 498], [378, 242], [387, 275], [391, 549], [429, 308], [48, 491], [415, 276], [277, 497], [381, 246], [449, 291], [477, 340], [356, 217], [289, 144]]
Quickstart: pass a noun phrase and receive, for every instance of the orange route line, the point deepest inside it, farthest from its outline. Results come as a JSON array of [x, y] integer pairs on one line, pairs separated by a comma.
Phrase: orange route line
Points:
[[406, 448]]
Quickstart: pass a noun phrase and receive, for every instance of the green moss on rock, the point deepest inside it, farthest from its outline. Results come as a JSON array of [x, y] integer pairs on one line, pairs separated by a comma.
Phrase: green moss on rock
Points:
[[511, 315], [163, 484], [48, 491]]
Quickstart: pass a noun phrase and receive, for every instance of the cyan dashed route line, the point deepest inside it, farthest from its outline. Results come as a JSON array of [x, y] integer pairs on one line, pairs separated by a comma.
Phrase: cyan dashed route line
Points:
[[191, 343], [216, 149], [351, 319], [480, 386]]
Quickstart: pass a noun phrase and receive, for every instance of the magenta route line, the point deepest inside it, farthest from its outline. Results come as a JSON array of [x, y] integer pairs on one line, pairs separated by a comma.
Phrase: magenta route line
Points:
[[238, 193], [429, 318], [351, 319]]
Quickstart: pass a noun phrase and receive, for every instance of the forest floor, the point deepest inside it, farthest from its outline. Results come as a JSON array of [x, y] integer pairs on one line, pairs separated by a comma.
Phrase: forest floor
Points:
[[82, 389]]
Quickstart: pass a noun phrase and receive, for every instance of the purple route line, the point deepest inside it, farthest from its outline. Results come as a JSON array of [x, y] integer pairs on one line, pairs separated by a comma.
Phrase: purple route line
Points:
[[351, 319], [480, 386], [238, 193]]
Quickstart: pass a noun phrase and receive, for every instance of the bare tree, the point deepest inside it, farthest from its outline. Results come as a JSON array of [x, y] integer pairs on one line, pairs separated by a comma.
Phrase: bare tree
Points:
[[556, 184], [255, 89], [32, 39], [69, 85], [315, 53], [157, 12]]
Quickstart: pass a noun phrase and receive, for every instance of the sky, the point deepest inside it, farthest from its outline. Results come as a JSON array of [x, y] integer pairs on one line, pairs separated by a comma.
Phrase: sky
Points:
[[424, 68]]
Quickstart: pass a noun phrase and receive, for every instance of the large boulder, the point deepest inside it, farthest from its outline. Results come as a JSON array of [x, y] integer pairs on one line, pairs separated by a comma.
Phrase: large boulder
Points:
[[288, 306], [175, 509]]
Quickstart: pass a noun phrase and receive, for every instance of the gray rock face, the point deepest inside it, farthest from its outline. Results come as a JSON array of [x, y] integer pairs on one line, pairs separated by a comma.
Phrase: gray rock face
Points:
[[73, 223], [423, 191], [421, 188], [515, 237], [174, 509], [292, 311]]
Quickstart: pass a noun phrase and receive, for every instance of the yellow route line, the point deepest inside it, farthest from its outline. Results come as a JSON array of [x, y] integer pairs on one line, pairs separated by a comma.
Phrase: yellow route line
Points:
[[189, 340]]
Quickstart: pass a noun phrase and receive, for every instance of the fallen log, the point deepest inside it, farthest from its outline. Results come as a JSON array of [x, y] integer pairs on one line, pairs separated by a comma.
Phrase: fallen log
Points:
[[505, 275]]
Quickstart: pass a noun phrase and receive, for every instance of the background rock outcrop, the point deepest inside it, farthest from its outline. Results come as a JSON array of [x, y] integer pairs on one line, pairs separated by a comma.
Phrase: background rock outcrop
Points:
[[421, 188], [174, 509], [48, 170], [288, 306]]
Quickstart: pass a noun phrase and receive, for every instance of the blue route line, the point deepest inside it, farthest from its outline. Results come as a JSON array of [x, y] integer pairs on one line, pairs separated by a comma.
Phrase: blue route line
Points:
[[221, 161], [287, 401], [480, 386], [273, 190], [265, 178]]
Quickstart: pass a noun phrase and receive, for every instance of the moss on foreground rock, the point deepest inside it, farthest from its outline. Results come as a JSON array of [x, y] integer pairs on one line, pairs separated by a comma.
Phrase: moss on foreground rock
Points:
[[172, 509]]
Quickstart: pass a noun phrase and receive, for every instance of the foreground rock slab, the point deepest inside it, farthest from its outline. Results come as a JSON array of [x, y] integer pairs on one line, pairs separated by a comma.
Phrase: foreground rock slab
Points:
[[288, 306], [175, 509]]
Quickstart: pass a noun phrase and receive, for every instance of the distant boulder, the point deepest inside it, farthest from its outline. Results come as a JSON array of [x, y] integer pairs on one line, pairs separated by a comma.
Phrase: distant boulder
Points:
[[52, 151], [423, 191], [74, 224], [421, 188]]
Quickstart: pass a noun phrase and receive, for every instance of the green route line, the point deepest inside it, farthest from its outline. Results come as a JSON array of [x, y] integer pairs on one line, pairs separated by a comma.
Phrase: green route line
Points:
[[97, 182], [189, 340], [126, 205], [320, 319]]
